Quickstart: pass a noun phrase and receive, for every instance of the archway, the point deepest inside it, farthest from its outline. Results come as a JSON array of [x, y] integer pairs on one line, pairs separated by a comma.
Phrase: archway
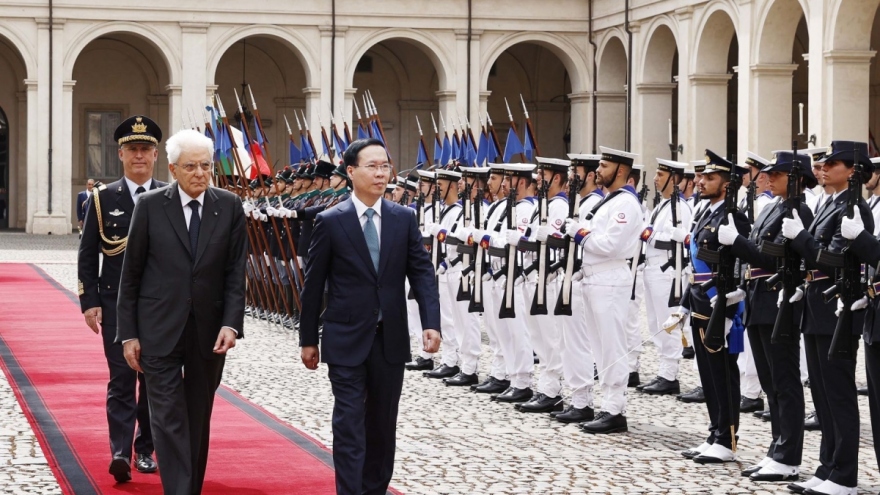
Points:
[[874, 89], [404, 83], [117, 75], [277, 78], [611, 94], [657, 100], [714, 100], [13, 137]]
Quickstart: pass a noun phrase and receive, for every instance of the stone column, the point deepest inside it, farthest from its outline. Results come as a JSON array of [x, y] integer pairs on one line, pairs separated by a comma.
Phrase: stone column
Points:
[[611, 122], [313, 106], [817, 108], [709, 120], [581, 123], [651, 131], [685, 119], [194, 78], [32, 172], [320, 112], [771, 90], [846, 94], [751, 112], [64, 157], [447, 100], [18, 175]]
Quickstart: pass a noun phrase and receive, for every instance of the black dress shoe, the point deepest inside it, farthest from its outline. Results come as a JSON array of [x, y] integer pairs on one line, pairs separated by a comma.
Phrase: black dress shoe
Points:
[[862, 390], [514, 395], [688, 352], [694, 396], [120, 468], [662, 386], [420, 364], [541, 403], [461, 380], [750, 405], [605, 422], [442, 371], [492, 386], [811, 423], [750, 470], [643, 385], [574, 415], [633, 380], [766, 416], [774, 477], [760, 414], [144, 463]]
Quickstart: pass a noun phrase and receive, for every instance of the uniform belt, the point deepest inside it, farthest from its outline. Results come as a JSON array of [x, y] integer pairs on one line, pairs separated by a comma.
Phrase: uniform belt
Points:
[[701, 278], [754, 273], [605, 266], [816, 275]]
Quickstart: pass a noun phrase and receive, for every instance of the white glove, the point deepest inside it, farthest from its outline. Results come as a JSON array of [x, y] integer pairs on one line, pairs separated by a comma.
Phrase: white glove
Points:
[[552, 276], [435, 229], [676, 319], [850, 228], [727, 233], [679, 234], [791, 227], [248, 208], [570, 225], [797, 296], [441, 269], [860, 304], [728, 324], [487, 277], [735, 297], [577, 276], [293, 214], [513, 237], [544, 232], [255, 214], [263, 217], [463, 234], [839, 307], [271, 211]]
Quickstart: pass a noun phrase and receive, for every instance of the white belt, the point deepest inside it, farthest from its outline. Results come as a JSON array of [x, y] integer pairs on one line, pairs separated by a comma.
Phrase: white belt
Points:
[[603, 267]]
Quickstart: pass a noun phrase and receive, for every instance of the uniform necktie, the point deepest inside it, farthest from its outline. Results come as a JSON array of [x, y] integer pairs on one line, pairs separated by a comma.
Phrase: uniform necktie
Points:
[[194, 223], [139, 190], [372, 238]]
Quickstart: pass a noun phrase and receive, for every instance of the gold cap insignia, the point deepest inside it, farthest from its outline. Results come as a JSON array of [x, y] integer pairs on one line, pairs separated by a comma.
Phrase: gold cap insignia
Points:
[[139, 126], [830, 150], [708, 160]]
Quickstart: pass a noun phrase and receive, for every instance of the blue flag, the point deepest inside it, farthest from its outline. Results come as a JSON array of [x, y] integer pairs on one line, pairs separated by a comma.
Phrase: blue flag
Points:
[[512, 146], [529, 144], [295, 155], [422, 157], [456, 148], [471, 157], [438, 150], [362, 133], [376, 133], [492, 153], [446, 154], [307, 152], [482, 150]]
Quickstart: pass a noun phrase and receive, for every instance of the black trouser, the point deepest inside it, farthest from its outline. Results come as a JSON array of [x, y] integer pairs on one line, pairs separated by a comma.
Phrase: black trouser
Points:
[[180, 405], [778, 368], [365, 422], [124, 406], [719, 376], [872, 367], [833, 384]]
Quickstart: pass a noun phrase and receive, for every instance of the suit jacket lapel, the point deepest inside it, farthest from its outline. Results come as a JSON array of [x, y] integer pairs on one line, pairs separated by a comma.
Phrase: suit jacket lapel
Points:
[[351, 225], [123, 198], [210, 213], [385, 242], [175, 215]]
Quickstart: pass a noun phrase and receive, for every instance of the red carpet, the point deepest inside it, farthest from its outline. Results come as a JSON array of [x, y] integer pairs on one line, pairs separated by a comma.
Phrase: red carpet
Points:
[[57, 368]]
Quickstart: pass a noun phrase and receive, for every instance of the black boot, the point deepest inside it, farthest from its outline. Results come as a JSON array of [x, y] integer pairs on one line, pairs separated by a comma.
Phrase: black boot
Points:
[[633, 380], [688, 352], [575, 415], [694, 396]]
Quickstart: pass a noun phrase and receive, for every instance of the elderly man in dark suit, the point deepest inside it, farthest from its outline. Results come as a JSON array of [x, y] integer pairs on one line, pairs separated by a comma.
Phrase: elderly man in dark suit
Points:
[[181, 304], [105, 235], [363, 250]]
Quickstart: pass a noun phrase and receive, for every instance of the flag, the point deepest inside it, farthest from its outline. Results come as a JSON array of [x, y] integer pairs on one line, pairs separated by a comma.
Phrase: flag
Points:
[[482, 149], [512, 146], [492, 152], [362, 133], [529, 143], [422, 155], [438, 150], [339, 143], [456, 148], [446, 154], [295, 155], [471, 152], [375, 131], [326, 151], [307, 152], [255, 152]]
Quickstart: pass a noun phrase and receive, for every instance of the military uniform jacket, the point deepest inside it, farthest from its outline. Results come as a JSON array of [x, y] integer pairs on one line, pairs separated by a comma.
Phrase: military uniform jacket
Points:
[[705, 234], [824, 233], [100, 289], [761, 300], [867, 248]]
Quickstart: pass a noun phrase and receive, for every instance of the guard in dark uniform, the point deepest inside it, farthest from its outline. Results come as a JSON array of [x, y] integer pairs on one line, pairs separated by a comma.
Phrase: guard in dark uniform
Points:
[[719, 374], [105, 232], [777, 363], [832, 381]]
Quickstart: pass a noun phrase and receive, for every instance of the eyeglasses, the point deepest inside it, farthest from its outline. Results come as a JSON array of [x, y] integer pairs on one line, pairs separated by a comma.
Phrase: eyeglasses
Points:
[[191, 166], [385, 168]]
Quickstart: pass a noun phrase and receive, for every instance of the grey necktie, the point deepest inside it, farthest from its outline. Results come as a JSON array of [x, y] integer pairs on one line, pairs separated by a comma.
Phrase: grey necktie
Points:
[[372, 238]]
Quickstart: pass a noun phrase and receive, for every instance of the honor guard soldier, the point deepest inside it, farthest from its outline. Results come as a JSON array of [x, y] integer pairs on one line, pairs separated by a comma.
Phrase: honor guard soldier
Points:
[[719, 374], [424, 210], [608, 237], [664, 261], [816, 195], [101, 251], [634, 346], [832, 380], [873, 187], [776, 351]]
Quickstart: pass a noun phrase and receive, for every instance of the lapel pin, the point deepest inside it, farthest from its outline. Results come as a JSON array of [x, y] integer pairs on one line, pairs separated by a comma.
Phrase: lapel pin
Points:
[[119, 189], [215, 213]]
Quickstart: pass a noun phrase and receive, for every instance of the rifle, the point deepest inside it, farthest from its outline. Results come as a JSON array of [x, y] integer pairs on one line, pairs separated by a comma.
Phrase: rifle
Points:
[[643, 191], [678, 257], [569, 258], [511, 269], [436, 257], [848, 274], [539, 301], [789, 264], [464, 286], [420, 219], [750, 196], [725, 277], [479, 262]]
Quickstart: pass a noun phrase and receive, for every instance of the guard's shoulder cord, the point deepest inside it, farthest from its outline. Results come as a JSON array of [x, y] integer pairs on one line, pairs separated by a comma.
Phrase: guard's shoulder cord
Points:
[[118, 246]]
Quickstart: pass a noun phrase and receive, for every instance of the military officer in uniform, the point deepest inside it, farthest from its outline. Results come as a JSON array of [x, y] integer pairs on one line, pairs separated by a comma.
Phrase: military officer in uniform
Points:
[[105, 232]]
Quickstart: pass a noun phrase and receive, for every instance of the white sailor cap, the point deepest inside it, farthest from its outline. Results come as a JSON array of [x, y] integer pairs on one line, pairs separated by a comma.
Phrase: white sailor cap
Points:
[[447, 174], [618, 156], [555, 164], [698, 166], [519, 169], [671, 166], [815, 153], [472, 171], [638, 167], [427, 176]]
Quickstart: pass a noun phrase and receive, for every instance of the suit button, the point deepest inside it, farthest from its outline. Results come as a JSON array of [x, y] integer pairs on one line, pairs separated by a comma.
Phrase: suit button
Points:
[[375, 311]]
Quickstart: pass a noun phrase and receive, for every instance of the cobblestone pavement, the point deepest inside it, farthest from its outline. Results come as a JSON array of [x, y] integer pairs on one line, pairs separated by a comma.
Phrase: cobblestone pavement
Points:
[[451, 441]]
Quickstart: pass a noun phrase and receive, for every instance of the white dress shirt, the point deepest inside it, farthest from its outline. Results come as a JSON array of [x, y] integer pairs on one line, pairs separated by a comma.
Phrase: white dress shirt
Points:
[[361, 210], [132, 187]]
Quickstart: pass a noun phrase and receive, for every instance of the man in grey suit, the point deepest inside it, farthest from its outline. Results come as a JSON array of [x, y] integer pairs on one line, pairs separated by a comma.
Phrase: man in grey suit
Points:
[[181, 304]]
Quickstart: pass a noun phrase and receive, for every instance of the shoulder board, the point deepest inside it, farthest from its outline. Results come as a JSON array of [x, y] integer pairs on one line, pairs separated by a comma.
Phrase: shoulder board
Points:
[[100, 186]]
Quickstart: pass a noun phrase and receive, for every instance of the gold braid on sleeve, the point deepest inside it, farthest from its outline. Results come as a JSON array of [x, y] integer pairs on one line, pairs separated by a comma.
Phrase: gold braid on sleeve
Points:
[[118, 246]]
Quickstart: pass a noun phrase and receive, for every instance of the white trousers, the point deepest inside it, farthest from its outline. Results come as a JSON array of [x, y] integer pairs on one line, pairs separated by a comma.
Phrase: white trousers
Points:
[[467, 326], [749, 385], [449, 334], [414, 322], [606, 298], [497, 366], [577, 350], [657, 284], [546, 333], [513, 337], [632, 327]]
